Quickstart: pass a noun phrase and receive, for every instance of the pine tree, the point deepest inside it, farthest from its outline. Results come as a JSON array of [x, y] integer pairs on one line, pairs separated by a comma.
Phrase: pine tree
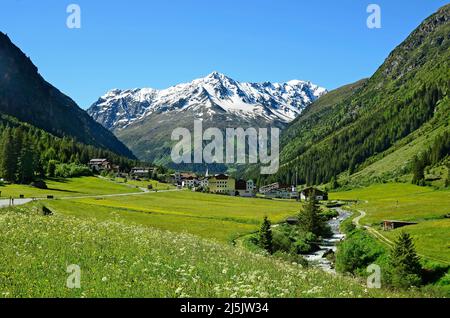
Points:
[[8, 164], [405, 263], [265, 235], [26, 162], [447, 180], [418, 171], [310, 219], [51, 168]]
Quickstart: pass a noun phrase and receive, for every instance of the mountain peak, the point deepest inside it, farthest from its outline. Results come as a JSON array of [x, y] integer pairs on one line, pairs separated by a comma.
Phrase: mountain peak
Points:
[[267, 102]]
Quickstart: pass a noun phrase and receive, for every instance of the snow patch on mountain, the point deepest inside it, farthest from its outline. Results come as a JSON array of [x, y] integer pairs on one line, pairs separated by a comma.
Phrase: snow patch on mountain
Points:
[[212, 94]]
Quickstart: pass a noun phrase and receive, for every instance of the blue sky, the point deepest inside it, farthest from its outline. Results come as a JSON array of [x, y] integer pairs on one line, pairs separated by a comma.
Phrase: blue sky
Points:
[[147, 43]]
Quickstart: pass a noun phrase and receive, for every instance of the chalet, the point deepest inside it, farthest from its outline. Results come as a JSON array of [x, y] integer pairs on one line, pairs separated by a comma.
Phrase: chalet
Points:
[[98, 165], [282, 193], [307, 193], [141, 172], [389, 225], [269, 187], [178, 177], [279, 191]]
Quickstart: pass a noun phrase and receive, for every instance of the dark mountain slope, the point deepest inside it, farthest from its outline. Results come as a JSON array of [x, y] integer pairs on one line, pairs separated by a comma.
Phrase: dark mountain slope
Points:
[[25, 95]]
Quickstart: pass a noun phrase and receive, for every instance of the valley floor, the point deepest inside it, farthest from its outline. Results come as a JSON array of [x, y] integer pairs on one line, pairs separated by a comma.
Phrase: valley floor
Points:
[[157, 244]]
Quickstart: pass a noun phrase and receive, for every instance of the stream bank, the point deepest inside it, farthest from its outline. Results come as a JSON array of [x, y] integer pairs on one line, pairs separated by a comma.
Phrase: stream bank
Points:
[[318, 258]]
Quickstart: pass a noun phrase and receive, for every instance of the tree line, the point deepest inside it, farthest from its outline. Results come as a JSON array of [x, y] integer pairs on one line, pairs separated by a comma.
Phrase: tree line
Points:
[[27, 152]]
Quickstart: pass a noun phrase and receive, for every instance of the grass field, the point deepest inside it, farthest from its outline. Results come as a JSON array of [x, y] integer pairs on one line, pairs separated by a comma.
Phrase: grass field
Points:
[[67, 187], [218, 217], [118, 260], [144, 184], [407, 202]]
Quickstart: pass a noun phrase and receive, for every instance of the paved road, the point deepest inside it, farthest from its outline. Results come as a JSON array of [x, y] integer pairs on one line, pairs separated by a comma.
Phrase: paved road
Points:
[[5, 203]]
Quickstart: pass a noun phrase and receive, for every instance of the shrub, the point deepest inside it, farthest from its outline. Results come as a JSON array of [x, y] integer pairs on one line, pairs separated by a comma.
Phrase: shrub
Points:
[[281, 241], [71, 170], [40, 184], [357, 252]]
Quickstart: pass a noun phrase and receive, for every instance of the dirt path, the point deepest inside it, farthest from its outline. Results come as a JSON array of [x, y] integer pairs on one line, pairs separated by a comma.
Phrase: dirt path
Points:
[[384, 239]]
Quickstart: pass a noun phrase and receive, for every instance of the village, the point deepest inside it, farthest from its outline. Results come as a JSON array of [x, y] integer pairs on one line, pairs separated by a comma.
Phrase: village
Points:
[[222, 184]]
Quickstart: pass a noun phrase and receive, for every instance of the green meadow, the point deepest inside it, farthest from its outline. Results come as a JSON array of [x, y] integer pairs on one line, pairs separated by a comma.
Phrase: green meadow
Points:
[[218, 217], [125, 260], [83, 186], [156, 185], [128, 243], [406, 202]]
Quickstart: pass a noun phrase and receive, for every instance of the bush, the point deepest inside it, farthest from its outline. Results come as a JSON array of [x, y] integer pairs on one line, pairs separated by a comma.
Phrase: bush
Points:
[[71, 170], [328, 214], [281, 241], [357, 252], [40, 184]]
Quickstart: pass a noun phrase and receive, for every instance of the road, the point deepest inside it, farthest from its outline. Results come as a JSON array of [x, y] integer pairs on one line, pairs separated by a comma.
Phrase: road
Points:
[[5, 203]]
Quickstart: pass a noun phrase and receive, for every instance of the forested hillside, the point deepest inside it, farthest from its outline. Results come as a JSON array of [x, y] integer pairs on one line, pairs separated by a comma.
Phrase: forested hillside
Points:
[[27, 152], [406, 94]]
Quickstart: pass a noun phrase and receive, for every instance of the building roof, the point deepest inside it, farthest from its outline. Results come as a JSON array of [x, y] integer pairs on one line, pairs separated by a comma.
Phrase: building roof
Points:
[[98, 160], [221, 176]]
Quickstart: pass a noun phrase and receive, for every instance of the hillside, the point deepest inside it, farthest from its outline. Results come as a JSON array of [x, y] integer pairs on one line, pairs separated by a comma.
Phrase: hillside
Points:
[[406, 98], [24, 94]]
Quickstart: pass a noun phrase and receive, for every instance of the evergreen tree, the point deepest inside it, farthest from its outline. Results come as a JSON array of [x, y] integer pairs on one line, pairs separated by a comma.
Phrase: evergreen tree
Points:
[[310, 219], [418, 171], [8, 163], [447, 180], [265, 235], [26, 162], [404, 263], [51, 168]]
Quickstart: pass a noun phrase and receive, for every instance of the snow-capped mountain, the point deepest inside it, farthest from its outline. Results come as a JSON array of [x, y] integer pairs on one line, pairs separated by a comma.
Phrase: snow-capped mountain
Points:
[[213, 94]]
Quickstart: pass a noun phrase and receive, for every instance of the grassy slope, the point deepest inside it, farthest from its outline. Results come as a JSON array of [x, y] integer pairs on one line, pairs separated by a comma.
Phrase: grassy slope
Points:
[[211, 216], [395, 161], [118, 260], [67, 187], [409, 203]]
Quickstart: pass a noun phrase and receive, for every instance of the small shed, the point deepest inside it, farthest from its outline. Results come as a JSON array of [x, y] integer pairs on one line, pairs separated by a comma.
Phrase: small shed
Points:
[[389, 225], [292, 220]]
